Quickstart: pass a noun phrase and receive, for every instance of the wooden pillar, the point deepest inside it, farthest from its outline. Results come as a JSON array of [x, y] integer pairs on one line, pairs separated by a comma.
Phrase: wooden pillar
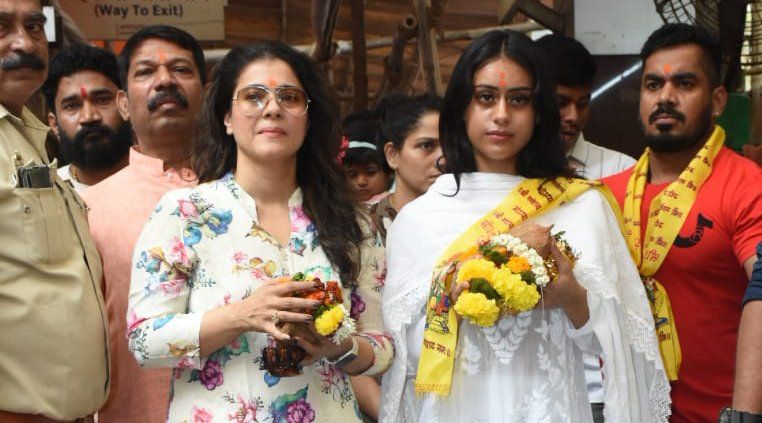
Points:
[[731, 16], [427, 49], [359, 62], [283, 21], [394, 63], [324, 13], [566, 9]]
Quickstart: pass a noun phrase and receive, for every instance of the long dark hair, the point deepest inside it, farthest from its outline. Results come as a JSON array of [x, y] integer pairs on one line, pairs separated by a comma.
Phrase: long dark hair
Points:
[[543, 156], [327, 197]]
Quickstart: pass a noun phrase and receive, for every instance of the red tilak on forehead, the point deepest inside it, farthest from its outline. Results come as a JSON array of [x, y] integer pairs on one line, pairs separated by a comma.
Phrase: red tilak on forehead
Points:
[[83, 91], [272, 83], [162, 57], [502, 82], [667, 68]]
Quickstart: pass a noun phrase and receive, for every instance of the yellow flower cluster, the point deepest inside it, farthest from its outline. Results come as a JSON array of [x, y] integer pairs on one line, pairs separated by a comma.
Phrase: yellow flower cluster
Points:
[[477, 308], [476, 268], [329, 321], [515, 295], [518, 264]]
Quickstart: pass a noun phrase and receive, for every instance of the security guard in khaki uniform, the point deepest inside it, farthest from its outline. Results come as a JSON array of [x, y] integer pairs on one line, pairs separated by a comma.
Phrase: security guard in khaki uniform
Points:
[[53, 352]]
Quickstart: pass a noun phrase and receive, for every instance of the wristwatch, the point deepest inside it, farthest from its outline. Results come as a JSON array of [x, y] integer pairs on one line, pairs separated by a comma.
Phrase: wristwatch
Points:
[[728, 415], [347, 357]]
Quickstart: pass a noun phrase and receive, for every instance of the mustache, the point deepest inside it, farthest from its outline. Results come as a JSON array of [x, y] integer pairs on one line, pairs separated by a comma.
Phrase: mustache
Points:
[[22, 60], [168, 95], [667, 109], [97, 129]]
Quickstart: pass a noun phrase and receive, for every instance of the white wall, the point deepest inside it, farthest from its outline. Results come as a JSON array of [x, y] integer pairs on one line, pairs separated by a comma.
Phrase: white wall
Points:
[[615, 26]]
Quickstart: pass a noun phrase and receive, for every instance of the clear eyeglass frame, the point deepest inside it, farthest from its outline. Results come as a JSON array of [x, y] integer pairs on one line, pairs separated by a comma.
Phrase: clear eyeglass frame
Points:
[[280, 94]]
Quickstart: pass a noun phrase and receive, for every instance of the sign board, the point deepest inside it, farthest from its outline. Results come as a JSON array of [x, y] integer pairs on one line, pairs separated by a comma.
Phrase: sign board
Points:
[[51, 31], [118, 19]]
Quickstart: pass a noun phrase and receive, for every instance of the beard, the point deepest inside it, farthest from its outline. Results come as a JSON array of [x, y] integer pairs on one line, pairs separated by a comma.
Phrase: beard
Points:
[[96, 147], [664, 142]]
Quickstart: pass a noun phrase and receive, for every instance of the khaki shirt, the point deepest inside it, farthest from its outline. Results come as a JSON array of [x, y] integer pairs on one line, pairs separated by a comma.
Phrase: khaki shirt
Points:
[[53, 353]]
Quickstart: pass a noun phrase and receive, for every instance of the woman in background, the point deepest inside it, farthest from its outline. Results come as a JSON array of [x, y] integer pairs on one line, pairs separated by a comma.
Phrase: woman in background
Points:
[[409, 135]]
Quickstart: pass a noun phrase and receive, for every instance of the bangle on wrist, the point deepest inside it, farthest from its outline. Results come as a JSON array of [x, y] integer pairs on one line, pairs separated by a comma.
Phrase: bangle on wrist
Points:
[[347, 357]]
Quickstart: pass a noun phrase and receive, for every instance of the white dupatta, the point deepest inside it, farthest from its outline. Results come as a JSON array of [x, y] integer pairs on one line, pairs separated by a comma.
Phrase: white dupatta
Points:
[[527, 368]]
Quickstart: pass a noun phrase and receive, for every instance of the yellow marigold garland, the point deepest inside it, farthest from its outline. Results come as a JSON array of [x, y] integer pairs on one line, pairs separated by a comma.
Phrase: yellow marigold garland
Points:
[[329, 321], [477, 308], [511, 287], [476, 268], [518, 264]]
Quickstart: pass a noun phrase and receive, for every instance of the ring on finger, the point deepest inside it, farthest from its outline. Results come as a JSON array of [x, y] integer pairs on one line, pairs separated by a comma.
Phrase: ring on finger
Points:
[[275, 317]]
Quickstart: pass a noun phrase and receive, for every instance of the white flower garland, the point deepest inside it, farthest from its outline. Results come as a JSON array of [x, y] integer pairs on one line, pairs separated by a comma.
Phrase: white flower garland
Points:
[[347, 327], [521, 249]]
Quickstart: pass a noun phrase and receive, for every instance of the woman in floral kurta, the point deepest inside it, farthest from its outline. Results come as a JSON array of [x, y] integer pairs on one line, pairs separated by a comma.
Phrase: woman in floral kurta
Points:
[[204, 256]]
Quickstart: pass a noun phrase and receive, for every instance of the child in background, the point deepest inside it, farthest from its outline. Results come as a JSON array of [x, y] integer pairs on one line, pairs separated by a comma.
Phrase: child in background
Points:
[[366, 170]]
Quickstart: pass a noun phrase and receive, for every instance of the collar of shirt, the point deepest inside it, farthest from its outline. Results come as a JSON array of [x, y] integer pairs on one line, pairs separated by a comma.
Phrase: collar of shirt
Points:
[[249, 203], [155, 167], [579, 152]]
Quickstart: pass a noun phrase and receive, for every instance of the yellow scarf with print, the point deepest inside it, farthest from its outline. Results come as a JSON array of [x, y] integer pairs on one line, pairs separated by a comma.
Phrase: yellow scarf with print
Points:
[[666, 216], [530, 198]]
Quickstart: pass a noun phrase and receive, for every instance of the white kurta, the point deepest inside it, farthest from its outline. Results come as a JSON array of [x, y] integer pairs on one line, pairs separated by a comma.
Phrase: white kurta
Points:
[[526, 368]]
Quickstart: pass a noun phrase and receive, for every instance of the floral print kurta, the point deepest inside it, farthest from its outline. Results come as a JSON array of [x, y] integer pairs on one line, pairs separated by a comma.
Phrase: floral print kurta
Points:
[[202, 249]]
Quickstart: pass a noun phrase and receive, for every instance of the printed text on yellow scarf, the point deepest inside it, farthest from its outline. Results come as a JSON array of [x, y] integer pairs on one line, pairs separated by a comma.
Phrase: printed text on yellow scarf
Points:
[[531, 198], [666, 216]]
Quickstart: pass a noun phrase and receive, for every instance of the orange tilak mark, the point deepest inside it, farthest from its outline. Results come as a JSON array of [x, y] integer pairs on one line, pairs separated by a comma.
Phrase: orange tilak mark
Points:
[[83, 92], [667, 69], [162, 57], [502, 82], [271, 83]]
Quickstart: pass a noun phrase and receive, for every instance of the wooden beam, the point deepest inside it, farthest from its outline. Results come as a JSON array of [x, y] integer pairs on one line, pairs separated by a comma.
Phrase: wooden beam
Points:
[[359, 62], [345, 47], [284, 21], [566, 9], [427, 48], [324, 13], [394, 62], [506, 10], [731, 15], [535, 10]]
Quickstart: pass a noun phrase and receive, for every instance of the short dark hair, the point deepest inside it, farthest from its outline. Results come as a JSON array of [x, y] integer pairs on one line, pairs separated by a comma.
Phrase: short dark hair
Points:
[[77, 58], [162, 32], [328, 200], [543, 156], [677, 34], [569, 63], [400, 114]]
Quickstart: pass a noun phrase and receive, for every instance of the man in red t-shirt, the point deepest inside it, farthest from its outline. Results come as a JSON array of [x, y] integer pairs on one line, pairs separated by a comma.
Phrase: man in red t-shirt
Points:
[[707, 268]]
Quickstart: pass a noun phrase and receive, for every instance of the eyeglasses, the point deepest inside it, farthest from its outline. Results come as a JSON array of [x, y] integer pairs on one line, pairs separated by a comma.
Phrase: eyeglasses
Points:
[[253, 99]]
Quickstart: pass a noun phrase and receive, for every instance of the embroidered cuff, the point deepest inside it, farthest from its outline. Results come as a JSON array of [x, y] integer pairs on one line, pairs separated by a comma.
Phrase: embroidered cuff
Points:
[[584, 337]]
